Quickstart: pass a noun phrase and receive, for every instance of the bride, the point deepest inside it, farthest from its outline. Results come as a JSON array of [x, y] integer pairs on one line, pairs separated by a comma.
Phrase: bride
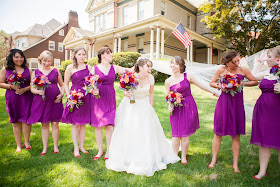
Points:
[[138, 143]]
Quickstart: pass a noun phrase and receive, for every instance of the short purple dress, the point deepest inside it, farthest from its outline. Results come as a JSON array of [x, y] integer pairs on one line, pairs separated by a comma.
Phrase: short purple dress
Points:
[[229, 117], [18, 106], [103, 110], [81, 115], [266, 122], [184, 120], [46, 111]]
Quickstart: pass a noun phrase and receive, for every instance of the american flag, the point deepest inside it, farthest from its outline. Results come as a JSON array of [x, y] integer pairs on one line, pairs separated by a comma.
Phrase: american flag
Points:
[[181, 34]]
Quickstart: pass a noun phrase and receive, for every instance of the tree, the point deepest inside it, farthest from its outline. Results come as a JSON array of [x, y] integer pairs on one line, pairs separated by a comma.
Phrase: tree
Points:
[[4, 46], [247, 25]]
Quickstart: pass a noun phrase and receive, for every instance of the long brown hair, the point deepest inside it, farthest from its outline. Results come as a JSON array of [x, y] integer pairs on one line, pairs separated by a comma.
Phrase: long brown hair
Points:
[[102, 50], [181, 62], [74, 59]]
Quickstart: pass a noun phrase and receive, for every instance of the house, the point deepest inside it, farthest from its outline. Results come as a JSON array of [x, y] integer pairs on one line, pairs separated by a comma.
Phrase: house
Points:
[[145, 26], [49, 36]]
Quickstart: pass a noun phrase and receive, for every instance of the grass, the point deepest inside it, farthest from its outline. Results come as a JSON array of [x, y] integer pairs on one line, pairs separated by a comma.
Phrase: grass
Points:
[[28, 168]]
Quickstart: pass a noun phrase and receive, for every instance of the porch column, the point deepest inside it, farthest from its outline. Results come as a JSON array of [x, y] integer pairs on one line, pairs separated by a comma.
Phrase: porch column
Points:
[[191, 51], [162, 43], [188, 54], [119, 44], [115, 44], [92, 50], [157, 42], [209, 60], [152, 43], [66, 53]]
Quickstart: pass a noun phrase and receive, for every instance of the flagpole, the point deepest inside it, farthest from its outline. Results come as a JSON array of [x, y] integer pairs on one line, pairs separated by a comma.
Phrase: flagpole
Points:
[[171, 32]]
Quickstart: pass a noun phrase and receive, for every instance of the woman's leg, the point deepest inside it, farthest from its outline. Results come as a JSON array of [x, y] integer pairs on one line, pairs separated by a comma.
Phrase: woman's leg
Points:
[[55, 135], [264, 156], [215, 149], [109, 131], [176, 144], [45, 136], [235, 152], [26, 129], [99, 140], [82, 137], [185, 142], [75, 138], [17, 128]]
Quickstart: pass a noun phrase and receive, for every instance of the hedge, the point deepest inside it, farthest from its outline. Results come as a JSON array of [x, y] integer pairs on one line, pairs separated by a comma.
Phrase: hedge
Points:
[[124, 59]]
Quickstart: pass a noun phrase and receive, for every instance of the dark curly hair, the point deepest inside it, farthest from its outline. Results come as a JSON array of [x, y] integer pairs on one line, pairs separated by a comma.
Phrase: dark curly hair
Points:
[[181, 62], [10, 63]]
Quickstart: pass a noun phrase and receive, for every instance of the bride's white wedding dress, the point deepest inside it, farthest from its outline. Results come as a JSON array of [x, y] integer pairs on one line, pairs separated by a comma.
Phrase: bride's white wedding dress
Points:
[[138, 144]]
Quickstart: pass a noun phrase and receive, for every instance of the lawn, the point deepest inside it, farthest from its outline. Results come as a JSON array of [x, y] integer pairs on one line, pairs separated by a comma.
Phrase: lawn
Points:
[[28, 168]]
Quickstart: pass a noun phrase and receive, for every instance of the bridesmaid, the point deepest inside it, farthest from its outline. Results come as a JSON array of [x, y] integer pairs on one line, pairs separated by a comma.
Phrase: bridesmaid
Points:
[[49, 110], [229, 117], [104, 108], [184, 121], [76, 72], [266, 128], [18, 97]]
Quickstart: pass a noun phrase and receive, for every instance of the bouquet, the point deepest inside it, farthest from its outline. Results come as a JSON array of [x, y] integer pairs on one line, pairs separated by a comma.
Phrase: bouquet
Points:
[[41, 82], [75, 99], [275, 70], [92, 82], [128, 81], [174, 99], [230, 83], [15, 78]]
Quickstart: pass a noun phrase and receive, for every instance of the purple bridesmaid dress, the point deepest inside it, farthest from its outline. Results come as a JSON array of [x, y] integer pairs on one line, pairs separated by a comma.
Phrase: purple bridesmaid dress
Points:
[[104, 108], [229, 117], [81, 115], [266, 122], [46, 111], [184, 120], [18, 106]]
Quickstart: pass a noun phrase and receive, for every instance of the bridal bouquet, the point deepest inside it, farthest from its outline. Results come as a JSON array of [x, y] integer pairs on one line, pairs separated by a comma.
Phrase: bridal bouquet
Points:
[[41, 82], [15, 78], [174, 99], [92, 82], [230, 83], [128, 81], [75, 99], [275, 70]]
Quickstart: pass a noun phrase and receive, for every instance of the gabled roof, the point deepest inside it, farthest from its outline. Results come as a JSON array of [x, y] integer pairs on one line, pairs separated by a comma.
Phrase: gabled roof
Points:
[[41, 30], [75, 33]]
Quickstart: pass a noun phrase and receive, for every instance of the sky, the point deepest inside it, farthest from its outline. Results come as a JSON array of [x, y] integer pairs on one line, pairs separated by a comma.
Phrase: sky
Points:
[[19, 15]]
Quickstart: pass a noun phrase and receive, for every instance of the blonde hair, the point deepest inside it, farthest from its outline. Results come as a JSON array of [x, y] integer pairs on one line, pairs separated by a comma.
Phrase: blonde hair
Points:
[[275, 51], [44, 55], [74, 60]]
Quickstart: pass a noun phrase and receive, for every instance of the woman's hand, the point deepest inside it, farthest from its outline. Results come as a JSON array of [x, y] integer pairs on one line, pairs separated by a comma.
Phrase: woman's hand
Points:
[[170, 109], [20, 91], [40, 92], [127, 93], [277, 87], [95, 91], [58, 98], [14, 87]]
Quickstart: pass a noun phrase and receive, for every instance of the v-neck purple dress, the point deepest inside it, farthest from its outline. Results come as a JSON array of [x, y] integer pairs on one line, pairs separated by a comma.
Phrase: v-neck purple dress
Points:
[[229, 117], [18, 106], [81, 115], [266, 122], [46, 111], [184, 120], [103, 110]]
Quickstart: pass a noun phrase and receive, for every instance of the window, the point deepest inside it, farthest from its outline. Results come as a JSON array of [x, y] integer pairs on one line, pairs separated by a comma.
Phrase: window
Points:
[[60, 47], [125, 15], [17, 43], [61, 32], [140, 10], [51, 45], [24, 42], [162, 8], [56, 62], [125, 45], [189, 22], [140, 44]]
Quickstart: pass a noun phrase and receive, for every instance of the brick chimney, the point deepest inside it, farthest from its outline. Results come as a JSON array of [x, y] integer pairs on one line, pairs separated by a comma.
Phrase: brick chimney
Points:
[[73, 20]]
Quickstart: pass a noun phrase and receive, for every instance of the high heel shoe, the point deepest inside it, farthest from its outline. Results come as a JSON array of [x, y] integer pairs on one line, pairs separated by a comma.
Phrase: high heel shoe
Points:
[[212, 167], [259, 178], [56, 152], [76, 155], [106, 158], [27, 148], [184, 163], [97, 157], [42, 154]]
